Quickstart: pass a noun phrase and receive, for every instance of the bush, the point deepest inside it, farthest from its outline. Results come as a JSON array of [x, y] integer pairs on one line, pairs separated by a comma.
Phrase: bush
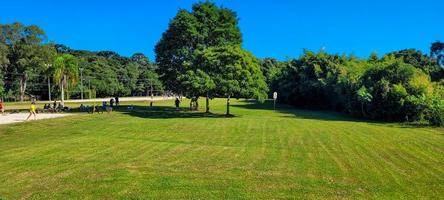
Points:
[[435, 116], [381, 89]]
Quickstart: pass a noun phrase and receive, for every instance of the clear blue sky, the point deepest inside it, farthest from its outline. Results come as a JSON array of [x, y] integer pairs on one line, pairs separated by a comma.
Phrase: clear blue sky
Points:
[[277, 28]]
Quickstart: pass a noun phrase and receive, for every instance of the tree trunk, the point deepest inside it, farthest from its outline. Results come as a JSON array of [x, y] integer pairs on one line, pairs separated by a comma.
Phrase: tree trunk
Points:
[[22, 88], [191, 104], [151, 87], [62, 86], [207, 105], [228, 105], [49, 89]]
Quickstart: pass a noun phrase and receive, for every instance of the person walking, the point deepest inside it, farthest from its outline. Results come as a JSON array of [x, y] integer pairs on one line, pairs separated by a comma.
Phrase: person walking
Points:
[[177, 102], [111, 102], [32, 111], [2, 107]]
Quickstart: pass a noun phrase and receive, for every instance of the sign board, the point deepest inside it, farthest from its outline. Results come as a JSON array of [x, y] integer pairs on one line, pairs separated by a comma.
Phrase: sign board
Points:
[[275, 95]]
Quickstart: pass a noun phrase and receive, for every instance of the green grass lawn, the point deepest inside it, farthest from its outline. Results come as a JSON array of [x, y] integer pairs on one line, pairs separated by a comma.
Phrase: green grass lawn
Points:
[[257, 154]]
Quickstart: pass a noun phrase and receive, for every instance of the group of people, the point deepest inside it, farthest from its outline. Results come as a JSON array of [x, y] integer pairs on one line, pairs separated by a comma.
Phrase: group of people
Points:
[[54, 107], [100, 109]]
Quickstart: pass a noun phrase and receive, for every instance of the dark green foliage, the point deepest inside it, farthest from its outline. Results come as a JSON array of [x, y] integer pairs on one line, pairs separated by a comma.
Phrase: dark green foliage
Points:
[[25, 67], [25, 54], [381, 89], [427, 64], [207, 25], [235, 72], [437, 51]]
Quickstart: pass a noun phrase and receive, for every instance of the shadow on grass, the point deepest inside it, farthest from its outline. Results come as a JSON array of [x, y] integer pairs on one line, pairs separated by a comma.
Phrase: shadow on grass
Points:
[[298, 113], [326, 115], [165, 112]]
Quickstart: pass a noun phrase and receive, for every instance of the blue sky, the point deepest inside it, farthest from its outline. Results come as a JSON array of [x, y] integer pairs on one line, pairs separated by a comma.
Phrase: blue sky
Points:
[[273, 28]]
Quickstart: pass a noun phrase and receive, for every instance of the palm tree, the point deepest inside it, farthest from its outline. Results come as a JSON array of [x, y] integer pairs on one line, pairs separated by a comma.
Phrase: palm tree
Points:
[[65, 72]]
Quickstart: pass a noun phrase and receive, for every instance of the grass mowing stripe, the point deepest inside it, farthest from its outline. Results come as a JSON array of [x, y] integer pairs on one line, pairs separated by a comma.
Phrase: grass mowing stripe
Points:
[[258, 154]]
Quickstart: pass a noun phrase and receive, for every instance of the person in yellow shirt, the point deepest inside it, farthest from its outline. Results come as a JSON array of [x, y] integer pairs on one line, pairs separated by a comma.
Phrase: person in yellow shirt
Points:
[[32, 111]]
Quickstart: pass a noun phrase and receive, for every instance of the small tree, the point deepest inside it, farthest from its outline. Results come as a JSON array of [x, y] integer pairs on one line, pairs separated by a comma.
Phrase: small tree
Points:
[[234, 71], [364, 97], [197, 83], [65, 72]]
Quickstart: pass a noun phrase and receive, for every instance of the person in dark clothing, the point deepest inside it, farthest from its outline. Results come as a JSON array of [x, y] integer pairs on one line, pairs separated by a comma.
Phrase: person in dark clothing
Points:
[[104, 104], [177, 102], [117, 101], [111, 102]]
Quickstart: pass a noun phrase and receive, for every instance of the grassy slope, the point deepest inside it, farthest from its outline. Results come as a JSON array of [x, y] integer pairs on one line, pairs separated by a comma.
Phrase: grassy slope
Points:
[[260, 153]]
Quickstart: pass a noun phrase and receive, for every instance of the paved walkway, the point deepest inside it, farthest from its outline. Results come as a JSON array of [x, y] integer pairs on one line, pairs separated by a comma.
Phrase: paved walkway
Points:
[[21, 117]]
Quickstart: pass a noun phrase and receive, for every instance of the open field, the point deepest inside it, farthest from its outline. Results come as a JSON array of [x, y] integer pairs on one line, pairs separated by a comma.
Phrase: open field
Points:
[[257, 154]]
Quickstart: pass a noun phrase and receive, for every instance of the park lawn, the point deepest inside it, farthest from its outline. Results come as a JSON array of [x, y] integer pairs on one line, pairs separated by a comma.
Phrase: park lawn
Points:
[[259, 153]]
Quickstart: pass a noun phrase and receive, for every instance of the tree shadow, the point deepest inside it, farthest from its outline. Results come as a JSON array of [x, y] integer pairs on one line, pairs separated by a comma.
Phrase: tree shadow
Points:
[[303, 113], [165, 112], [326, 115]]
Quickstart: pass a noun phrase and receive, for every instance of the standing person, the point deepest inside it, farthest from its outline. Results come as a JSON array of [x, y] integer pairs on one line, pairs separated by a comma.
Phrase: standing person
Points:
[[177, 102], [117, 101], [32, 111], [2, 107], [54, 105], [111, 102]]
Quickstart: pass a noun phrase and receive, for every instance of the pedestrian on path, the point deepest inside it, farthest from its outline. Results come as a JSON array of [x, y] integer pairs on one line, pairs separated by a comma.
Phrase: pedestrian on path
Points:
[[2, 107], [32, 111]]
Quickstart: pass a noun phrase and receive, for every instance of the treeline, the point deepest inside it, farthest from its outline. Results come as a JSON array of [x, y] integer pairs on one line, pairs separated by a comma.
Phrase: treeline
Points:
[[32, 67], [405, 85]]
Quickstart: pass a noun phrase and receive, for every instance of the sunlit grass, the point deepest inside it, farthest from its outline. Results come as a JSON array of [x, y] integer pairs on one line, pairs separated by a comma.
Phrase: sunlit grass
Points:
[[162, 153]]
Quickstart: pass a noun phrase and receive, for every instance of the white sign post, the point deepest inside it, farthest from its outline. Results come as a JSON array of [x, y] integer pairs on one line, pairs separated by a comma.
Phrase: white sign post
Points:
[[275, 96]]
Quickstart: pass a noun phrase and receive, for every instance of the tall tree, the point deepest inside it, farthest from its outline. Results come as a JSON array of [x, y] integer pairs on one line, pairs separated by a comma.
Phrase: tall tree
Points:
[[24, 43], [3, 63], [66, 72], [148, 80], [207, 25]]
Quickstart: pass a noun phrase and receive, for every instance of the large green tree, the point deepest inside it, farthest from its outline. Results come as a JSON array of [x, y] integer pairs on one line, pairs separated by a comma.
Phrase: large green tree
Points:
[[207, 25], [3, 64], [25, 61]]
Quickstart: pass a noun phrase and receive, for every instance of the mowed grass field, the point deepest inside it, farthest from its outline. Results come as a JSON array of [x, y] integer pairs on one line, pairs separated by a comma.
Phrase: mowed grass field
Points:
[[259, 153]]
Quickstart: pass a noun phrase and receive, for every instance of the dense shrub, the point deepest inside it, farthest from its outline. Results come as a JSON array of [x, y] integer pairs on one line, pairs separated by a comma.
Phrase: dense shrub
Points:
[[381, 89]]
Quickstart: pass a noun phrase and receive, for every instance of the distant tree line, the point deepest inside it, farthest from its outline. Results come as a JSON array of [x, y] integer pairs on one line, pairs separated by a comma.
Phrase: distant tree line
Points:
[[30, 66], [201, 55]]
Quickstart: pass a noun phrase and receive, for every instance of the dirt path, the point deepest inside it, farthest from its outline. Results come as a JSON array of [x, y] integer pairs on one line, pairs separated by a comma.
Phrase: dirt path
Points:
[[21, 117]]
